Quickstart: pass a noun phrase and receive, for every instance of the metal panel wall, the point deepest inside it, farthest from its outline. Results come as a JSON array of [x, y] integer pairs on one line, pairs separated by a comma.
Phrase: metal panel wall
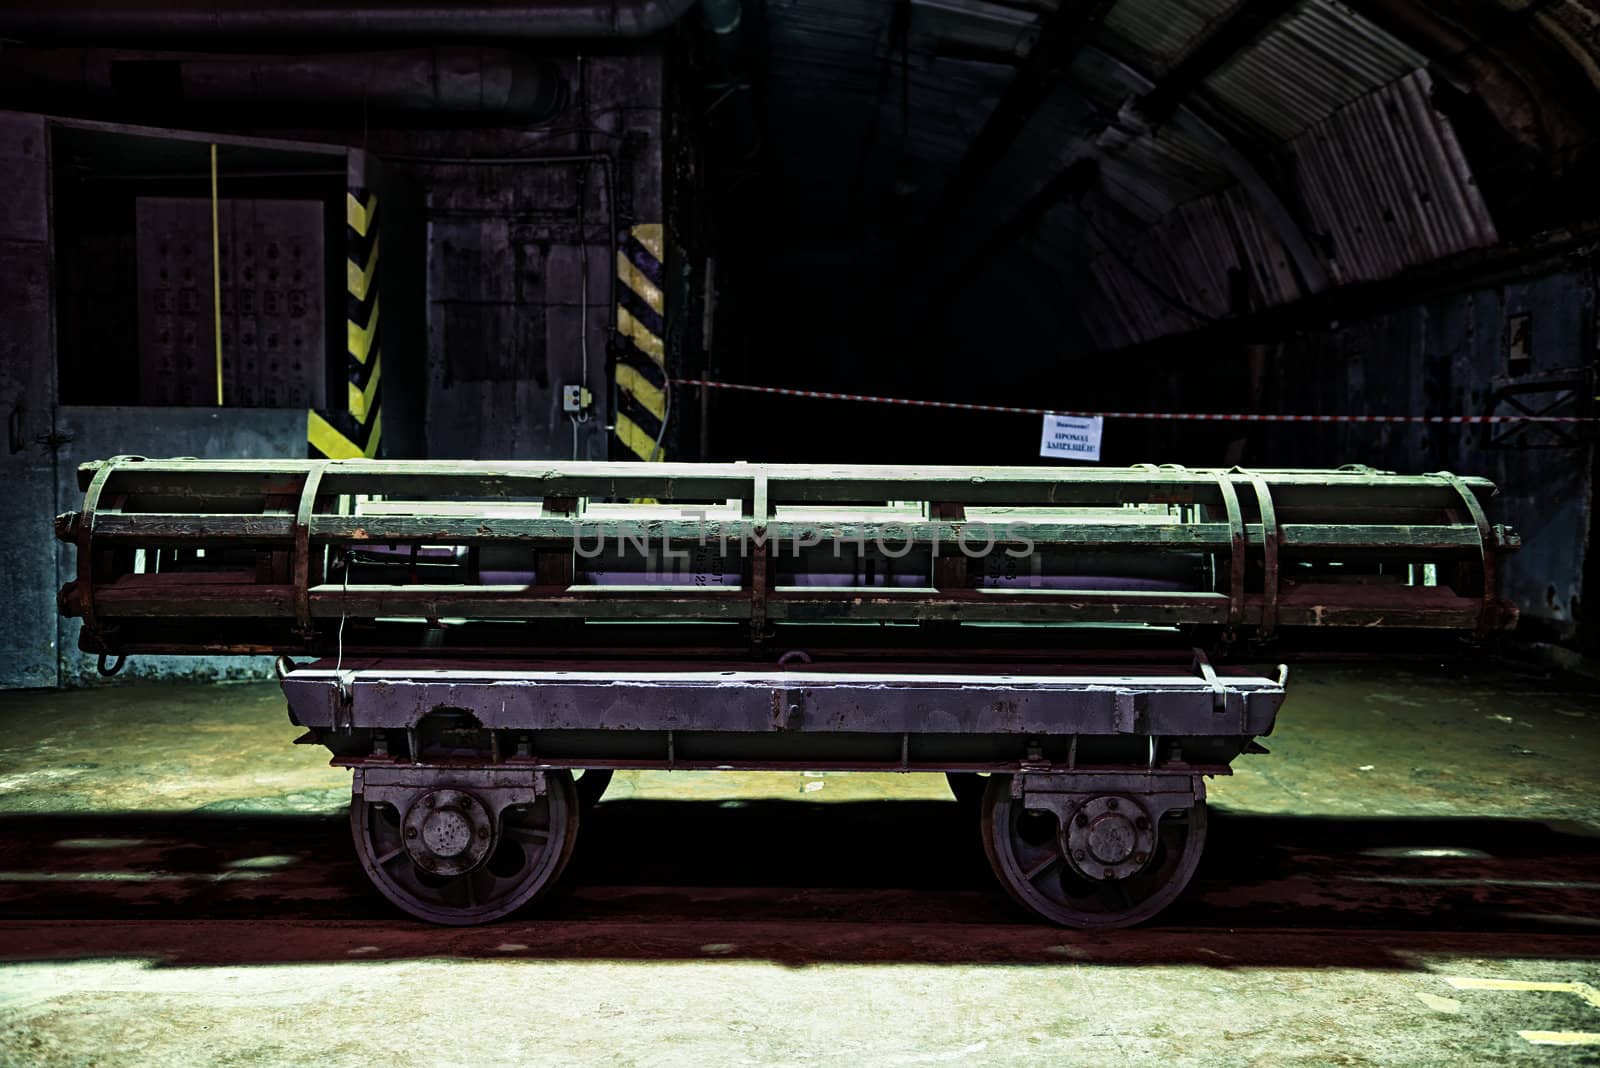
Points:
[[520, 273], [1444, 357], [273, 326], [27, 391]]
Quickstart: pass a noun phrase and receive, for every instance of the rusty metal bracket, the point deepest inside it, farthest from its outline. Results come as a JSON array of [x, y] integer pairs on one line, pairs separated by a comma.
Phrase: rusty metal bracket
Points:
[[302, 549], [1486, 552], [396, 785], [1271, 541], [344, 706], [91, 504], [1161, 791], [1236, 531], [1557, 393], [759, 572], [1219, 692]]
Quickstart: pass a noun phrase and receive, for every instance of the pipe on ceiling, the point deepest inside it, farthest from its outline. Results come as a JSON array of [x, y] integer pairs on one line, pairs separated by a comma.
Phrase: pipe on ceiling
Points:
[[366, 20], [459, 80]]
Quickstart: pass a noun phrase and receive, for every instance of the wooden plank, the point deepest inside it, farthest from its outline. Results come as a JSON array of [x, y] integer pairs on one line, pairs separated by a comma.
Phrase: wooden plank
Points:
[[1321, 606], [789, 483], [195, 600], [197, 529], [219, 527], [1137, 534], [445, 529], [432, 478], [1036, 606], [1373, 605], [1369, 537], [249, 601], [520, 602], [553, 563], [189, 528]]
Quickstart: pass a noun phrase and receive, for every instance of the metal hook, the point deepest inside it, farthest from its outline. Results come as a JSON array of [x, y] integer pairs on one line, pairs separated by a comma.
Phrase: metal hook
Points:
[[122, 658]]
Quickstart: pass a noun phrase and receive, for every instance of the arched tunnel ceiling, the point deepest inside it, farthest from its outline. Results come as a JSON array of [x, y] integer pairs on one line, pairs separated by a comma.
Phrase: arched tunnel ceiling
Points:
[[1175, 162]]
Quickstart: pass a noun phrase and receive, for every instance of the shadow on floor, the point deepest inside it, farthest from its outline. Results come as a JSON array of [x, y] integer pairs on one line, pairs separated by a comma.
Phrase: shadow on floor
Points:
[[798, 882]]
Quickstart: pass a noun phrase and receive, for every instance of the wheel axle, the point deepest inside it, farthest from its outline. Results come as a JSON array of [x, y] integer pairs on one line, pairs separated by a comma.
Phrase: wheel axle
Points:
[[1071, 850], [463, 846]]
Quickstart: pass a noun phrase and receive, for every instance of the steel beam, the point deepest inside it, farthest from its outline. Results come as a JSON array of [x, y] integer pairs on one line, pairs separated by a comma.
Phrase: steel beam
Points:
[[1063, 36], [1070, 183], [1311, 265], [960, 700], [1240, 28], [1164, 101]]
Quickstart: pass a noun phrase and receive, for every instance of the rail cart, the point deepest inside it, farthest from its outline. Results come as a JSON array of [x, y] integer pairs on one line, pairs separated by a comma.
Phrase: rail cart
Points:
[[491, 640]]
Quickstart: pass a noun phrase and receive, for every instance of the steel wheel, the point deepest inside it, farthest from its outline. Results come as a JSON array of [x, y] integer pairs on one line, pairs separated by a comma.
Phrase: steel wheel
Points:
[[459, 886], [1025, 849]]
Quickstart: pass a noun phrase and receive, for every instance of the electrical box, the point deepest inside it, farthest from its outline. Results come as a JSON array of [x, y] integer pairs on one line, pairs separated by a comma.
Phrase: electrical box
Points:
[[575, 400]]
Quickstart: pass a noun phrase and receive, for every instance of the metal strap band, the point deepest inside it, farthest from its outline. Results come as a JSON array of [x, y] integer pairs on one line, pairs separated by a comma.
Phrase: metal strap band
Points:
[[302, 547], [1230, 502], [91, 503], [759, 574], [1485, 552], [1271, 539]]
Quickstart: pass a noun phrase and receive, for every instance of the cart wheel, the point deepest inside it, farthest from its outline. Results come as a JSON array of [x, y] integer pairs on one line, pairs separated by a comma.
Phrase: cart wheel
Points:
[[968, 787], [1070, 876], [444, 861], [591, 784]]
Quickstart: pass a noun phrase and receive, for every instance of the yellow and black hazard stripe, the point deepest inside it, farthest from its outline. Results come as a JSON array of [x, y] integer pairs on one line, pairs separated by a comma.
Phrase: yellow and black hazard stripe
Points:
[[640, 371], [356, 430]]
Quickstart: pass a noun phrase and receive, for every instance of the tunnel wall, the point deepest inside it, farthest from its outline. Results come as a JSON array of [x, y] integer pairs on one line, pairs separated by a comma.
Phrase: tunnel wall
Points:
[[1452, 355]]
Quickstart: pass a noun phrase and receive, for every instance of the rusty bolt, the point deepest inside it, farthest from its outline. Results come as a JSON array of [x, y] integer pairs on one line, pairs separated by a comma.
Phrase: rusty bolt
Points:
[[1081, 820], [411, 832], [484, 834], [1140, 858], [1078, 854], [1111, 802]]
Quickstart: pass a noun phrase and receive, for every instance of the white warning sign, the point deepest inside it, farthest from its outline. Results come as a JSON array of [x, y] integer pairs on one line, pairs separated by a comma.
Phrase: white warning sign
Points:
[[1071, 437]]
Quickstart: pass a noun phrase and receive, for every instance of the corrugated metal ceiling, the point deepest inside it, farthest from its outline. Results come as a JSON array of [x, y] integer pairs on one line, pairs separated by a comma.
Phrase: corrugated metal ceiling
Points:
[[1316, 59], [865, 105], [1156, 33]]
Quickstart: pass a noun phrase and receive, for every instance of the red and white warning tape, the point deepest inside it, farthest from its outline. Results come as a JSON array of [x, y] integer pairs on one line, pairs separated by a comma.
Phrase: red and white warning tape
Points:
[[1192, 417]]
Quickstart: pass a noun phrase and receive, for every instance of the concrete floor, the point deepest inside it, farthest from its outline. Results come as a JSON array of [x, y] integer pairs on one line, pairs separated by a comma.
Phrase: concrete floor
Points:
[[1410, 877]]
